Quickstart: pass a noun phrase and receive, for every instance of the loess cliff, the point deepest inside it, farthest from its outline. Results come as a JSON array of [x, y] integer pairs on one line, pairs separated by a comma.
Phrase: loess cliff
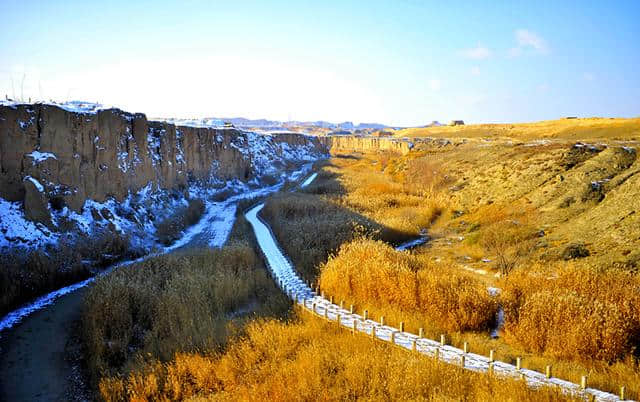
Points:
[[56, 159], [66, 167]]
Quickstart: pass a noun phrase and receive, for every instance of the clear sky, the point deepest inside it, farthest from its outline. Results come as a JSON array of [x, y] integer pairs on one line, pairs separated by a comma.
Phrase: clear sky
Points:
[[402, 62]]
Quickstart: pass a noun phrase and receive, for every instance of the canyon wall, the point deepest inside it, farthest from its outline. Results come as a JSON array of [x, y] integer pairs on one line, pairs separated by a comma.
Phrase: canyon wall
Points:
[[366, 144], [52, 157]]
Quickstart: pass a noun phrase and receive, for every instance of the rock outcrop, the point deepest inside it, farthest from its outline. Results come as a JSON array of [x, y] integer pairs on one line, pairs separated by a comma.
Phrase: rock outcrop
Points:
[[36, 204], [367, 144], [77, 156], [52, 157]]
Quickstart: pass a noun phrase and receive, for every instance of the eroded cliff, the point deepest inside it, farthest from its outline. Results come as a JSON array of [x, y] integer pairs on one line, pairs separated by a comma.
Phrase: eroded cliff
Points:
[[367, 144], [73, 157], [63, 165]]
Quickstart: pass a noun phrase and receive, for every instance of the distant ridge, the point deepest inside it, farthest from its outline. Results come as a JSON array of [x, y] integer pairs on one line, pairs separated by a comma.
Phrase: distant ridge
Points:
[[265, 123]]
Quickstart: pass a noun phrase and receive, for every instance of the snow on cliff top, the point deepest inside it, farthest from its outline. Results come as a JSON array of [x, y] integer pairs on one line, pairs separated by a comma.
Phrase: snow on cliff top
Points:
[[75, 106], [196, 123]]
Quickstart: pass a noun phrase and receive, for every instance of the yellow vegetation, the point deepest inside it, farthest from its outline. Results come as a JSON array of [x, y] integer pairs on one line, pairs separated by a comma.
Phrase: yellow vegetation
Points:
[[503, 201], [368, 271], [507, 229], [573, 312], [586, 128], [312, 360], [177, 302]]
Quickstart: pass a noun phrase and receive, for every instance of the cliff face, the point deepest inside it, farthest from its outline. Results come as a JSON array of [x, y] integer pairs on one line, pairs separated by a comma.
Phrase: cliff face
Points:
[[72, 157], [54, 157], [366, 144]]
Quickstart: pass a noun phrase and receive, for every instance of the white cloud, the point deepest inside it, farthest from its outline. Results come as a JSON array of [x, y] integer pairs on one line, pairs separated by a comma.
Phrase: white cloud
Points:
[[515, 52], [588, 76], [169, 87], [475, 70], [477, 53], [527, 40], [435, 84], [543, 87]]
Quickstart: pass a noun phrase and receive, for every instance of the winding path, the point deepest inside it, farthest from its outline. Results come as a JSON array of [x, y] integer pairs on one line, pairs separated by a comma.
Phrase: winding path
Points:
[[285, 275], [39, 355]]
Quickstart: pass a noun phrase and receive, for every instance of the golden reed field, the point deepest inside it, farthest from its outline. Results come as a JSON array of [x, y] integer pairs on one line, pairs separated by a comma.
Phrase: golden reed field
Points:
[[514, 216]]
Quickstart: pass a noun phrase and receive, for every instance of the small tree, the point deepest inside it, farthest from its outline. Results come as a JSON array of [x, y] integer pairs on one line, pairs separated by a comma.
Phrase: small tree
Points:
[[509, 242]]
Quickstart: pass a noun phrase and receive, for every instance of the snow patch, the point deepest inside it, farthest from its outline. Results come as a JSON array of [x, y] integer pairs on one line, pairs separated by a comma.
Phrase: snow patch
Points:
[[412, 243], [39, 157], [309, 180], [16, 229], [35, 183]]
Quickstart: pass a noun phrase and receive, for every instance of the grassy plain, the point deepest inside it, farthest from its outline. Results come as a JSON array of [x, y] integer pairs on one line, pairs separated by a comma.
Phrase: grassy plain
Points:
[[571, 129]]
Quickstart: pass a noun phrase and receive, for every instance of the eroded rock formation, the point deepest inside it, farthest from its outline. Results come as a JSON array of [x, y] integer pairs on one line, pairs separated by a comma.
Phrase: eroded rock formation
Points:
[[52, 158], [367, 144], [74, 157]]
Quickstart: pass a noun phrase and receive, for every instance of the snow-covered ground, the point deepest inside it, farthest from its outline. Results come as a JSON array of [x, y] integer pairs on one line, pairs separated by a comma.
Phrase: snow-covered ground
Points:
[[70, 106], [285, 275], [309, 180], [412, 243]]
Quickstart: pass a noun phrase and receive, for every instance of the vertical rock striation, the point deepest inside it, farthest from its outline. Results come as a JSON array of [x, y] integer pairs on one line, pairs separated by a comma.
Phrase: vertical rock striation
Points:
[[79, 156], [53, 156]]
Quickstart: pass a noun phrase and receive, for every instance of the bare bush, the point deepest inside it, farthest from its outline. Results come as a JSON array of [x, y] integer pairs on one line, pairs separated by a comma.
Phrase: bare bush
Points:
[[171, 228]]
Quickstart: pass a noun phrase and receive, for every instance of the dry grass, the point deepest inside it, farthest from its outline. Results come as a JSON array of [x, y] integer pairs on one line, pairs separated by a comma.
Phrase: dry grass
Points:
[[26, 275], [506, 226], [312, 360], [477, 201], [170, 229], [573, 312], [587, 128], [427, 176], [372, 272], [312, 224], [181, 302], [385, 193]]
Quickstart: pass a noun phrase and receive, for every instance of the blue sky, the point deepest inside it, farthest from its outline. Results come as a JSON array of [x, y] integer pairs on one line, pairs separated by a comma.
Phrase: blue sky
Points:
[[397, 62]]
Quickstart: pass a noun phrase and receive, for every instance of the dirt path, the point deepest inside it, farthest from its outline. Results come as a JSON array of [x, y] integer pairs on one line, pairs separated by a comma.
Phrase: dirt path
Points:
[[40, 358], [37, 356]]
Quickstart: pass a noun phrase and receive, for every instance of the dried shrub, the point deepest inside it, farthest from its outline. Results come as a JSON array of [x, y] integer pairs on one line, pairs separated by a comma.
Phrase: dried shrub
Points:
[[576, 326], [507, 232], [370, 271], [171, 228], [574, 251], [427, 175], [312, 360], [25, 275], [573, 312]]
